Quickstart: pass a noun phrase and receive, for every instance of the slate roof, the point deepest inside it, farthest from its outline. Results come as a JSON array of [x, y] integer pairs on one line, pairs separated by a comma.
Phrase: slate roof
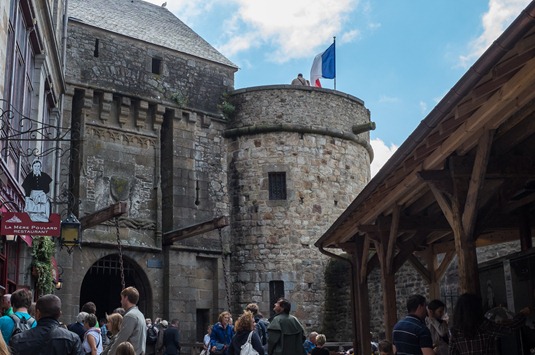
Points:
[[146, 22]]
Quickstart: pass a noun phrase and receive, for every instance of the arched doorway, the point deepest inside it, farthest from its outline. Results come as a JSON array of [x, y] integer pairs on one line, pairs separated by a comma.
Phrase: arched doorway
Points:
[[102, 284]]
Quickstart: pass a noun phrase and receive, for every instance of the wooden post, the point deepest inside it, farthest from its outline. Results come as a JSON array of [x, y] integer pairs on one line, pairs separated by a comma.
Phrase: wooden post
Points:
[[360, 299], [388, 281]]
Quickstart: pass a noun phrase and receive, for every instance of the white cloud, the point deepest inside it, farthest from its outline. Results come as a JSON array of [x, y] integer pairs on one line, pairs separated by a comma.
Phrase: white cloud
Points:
[[381, 153], [293, 29], [423, 107], [350, 36], [500, 15]]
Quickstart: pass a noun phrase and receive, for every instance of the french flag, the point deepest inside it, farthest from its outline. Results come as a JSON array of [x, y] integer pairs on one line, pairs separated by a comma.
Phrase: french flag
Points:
[[324, 66]]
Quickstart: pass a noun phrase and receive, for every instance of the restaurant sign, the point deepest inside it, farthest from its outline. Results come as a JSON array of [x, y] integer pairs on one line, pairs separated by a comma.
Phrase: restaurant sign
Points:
[[20, 223]]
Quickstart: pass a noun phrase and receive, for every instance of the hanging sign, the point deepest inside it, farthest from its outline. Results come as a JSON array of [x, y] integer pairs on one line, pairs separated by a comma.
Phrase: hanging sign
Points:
[[19, 223], [36, 220]]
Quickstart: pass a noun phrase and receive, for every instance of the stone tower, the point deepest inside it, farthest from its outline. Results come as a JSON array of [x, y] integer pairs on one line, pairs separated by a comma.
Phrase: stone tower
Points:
[[294, 167]]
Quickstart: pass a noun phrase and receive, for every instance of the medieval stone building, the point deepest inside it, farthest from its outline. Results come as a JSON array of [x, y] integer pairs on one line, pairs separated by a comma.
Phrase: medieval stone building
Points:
[[226, 191]]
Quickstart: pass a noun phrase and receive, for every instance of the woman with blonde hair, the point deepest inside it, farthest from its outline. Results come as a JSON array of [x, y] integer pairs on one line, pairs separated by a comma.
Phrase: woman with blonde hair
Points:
[[115, 320], [245, 332], [222, 333]]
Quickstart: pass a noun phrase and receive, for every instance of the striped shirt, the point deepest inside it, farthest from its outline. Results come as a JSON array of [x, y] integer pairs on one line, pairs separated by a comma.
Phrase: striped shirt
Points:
[[410, 335]]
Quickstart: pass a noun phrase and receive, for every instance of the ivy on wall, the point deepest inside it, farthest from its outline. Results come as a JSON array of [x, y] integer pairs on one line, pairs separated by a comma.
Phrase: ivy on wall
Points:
[[42, 250], [337, 312]]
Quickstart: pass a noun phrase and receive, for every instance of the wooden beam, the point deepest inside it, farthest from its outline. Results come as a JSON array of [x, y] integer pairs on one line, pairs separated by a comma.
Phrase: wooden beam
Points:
[[388, 285], [446, 261], [476, 182], [364, 260], [413, 223], [407, 248], [392, 238], [361, 303], [465, 248], [441, 179], [418, 266], [196, 229], [444, 204], [103, 215]]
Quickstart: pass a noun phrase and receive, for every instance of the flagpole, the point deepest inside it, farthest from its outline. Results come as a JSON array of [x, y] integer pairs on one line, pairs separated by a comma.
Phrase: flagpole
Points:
[[334, 42]]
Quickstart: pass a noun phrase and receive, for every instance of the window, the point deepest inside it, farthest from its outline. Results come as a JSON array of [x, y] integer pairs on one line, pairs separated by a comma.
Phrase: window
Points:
[[95, 51], [277, 186], [18, 88], [276, 291], [156, 66]]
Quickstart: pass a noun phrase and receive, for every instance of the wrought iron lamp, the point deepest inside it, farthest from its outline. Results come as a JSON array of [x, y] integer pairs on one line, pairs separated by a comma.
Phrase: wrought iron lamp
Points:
[[71, 233]]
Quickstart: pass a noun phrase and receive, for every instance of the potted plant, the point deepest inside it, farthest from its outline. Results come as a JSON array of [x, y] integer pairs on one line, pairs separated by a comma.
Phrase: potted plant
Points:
[[42, 250]]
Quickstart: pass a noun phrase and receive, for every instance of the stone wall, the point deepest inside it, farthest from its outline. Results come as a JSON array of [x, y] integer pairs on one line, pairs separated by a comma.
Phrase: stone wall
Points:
[[107, 60], [273, 240]]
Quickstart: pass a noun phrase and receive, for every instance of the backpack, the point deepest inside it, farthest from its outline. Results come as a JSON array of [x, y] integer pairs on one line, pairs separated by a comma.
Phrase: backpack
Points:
[[152, 335], [261, 329], [21, 324], [247, 348]]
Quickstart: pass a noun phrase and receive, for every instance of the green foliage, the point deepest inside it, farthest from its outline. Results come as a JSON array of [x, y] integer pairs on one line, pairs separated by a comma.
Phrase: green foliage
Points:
[[43, 249], [337, 312], [180, 98], [226, 106]]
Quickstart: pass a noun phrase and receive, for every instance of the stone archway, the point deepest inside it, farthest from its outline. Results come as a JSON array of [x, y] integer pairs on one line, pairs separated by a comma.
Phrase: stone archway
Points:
[[102, 284]]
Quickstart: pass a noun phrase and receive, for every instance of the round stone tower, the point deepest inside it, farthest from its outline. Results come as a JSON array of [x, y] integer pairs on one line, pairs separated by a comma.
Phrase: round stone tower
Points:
[[294, 166]]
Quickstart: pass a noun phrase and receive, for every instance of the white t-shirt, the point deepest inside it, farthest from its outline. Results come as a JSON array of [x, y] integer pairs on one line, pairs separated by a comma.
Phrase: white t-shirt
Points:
[[95, 333]]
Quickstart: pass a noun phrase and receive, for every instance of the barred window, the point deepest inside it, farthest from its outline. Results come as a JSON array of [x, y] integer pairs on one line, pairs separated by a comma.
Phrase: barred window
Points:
[[277, 186]]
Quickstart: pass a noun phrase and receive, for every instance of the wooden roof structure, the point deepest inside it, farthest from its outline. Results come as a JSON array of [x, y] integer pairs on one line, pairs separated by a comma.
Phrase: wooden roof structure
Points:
[[464, 178]]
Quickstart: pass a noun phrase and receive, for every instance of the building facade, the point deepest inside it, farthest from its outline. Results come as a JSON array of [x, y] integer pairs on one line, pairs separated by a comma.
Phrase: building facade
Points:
[[31, 93], [153, 121], [150, 106]]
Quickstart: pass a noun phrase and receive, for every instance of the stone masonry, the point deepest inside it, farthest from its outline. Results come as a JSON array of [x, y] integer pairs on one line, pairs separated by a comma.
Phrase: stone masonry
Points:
[[291, 130], [155, 135]]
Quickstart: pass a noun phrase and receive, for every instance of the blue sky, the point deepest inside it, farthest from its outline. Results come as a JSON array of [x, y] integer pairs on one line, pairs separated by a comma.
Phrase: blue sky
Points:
[[399, 56]]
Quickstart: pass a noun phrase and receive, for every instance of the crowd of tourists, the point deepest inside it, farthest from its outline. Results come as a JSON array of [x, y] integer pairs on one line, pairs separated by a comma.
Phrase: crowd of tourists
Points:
[[34, 328]]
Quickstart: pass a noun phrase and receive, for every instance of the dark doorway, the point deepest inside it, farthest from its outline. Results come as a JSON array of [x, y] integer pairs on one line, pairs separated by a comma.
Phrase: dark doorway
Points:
[[102, 284]]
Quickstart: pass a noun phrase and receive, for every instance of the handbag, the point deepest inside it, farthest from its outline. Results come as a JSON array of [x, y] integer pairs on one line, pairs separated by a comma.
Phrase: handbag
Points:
[[247, 348]]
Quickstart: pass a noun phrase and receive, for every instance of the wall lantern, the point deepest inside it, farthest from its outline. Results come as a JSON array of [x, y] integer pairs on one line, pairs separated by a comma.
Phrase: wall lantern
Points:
[[11, 238], [71, 233]]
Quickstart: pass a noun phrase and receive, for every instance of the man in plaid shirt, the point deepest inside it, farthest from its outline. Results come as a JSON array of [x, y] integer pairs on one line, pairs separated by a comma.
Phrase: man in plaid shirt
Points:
[[474, 334]]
